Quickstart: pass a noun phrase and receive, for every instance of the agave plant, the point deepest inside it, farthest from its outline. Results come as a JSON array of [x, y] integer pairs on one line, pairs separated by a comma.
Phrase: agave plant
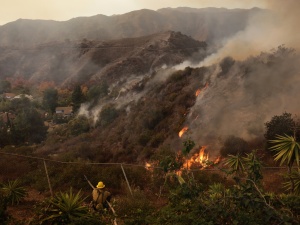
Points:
[[216, 190], [235, 162], [65, 207], [293, 185], [13, 191], [287, 150]]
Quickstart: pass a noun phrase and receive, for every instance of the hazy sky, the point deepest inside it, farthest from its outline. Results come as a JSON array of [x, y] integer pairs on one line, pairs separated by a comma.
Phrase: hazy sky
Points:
[[61, 10]]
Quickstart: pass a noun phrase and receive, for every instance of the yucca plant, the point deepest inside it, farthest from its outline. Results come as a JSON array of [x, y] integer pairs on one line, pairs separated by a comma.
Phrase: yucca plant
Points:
[[236, 163], [65, 207], [295, 185], [13, 191], [287, 152], [216, 190]]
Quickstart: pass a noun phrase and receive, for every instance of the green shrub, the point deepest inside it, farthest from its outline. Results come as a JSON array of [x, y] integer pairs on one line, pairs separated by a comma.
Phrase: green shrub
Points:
[[97, 91], [78, 125], [64, 208], [107, 115], [135, 210], [13, 191]]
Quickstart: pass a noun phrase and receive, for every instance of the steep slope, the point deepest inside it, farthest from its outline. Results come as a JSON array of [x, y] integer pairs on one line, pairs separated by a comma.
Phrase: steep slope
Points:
[[215, 103], [209, 24], [67, 63]]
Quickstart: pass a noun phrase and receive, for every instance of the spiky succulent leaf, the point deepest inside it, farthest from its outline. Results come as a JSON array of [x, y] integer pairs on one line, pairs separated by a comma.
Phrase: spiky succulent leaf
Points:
[[67, 206], [235, 162], [14, 191], [295, 176], [287, 150]]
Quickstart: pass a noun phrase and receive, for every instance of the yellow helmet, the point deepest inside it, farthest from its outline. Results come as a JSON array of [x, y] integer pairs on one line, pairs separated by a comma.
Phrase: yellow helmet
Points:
[[100, 185]]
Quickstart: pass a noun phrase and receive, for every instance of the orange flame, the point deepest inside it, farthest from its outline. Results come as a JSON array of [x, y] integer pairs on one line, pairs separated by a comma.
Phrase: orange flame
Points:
[[147, 165], [199, 90], [183, 130], [200, 158], [217, 160]]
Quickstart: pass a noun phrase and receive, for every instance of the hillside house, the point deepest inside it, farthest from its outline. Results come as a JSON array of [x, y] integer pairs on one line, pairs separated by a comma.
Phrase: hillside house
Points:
[[24, 96], [64, 112], [9, 95]]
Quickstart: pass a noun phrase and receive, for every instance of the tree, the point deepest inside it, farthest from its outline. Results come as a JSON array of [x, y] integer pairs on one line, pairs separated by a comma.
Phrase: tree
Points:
[[97, 91], [5, 86], [19, 104], [79, 125], [287, 152], [280, 125], [50, 99], [108, 114], [4, 130], [77, 98], [29, 127]]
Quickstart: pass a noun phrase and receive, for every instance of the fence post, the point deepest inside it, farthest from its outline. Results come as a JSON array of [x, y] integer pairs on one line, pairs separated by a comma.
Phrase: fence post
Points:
[[126, 180], [50, 187]]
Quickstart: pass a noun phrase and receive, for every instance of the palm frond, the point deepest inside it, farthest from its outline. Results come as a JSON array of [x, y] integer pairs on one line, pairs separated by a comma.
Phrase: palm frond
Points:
[[287, 150], [295, 177]]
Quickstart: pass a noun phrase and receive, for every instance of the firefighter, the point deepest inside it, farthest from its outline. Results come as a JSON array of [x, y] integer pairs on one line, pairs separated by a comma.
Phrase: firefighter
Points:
[[100, 197]]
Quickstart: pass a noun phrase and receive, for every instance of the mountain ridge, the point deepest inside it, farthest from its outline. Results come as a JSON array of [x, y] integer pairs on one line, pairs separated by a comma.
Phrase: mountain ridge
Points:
[[67, 63], [208, 24]]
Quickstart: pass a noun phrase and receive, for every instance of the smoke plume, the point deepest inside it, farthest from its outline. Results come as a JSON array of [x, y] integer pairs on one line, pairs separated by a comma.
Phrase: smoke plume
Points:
[[266, 30], [261, 82]]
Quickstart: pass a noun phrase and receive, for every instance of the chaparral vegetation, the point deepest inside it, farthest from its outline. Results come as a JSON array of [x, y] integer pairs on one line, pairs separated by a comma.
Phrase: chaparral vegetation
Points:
[[176, 136]]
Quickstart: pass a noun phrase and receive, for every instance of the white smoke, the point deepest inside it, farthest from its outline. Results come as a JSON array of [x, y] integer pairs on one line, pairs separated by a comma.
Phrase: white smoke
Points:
[[240, 101]]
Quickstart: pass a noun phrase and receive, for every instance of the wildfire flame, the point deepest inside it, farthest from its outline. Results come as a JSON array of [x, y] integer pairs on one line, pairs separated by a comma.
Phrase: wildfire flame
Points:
[[201, 158], [198, 158], [217, 160], [199, 90], [148, 166], [183, 130]]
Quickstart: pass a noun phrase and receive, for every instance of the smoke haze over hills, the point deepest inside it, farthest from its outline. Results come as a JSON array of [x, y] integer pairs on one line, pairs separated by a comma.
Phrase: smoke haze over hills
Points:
[[238, 102], [210, 25], [259, 85], [249, 78]]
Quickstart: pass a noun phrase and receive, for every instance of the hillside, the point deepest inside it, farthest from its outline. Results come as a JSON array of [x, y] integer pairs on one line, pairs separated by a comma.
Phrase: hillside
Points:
[[159, 108], [209, 24], [66, 63]]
